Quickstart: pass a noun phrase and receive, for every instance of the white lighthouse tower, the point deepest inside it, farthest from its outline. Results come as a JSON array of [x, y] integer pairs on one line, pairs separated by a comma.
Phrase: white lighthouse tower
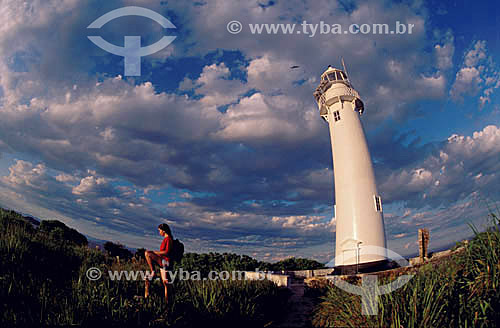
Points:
[[358, 209]]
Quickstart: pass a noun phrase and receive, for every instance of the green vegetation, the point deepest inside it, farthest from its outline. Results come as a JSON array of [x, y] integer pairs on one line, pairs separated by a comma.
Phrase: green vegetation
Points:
[[58, 230], [459, 291], [296, 264], [118, 250], [43, 282], [230, 261]]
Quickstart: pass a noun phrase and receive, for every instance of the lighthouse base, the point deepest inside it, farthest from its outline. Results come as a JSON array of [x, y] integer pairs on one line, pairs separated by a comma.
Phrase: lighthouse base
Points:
[[366, 267]]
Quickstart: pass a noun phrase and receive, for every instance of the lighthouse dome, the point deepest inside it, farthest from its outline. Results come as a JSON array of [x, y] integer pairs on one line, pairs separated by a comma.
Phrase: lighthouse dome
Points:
[[334, 75]]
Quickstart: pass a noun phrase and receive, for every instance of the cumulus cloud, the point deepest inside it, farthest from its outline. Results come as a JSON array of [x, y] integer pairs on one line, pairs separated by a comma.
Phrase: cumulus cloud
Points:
[[25, 175], [269, 64], [468, 81], [257, 117], [123, 212], [94, 196], [478, 75], [236, 149], [462, 166], [215, 86], [92, 185], [444, 52]]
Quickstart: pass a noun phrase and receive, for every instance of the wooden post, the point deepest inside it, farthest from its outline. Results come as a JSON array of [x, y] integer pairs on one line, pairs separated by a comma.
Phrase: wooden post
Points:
[[423, 243]]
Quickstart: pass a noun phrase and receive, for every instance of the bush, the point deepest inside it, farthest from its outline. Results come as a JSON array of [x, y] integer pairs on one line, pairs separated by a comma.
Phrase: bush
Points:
[[296, 264], [117, 250]]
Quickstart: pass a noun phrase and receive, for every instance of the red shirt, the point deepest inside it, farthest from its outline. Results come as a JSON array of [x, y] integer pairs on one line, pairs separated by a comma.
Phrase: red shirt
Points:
[[165, 246]]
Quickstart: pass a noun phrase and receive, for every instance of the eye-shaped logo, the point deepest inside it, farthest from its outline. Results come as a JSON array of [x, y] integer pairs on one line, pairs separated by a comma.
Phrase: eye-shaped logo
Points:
[[369, 289], [132, 50]]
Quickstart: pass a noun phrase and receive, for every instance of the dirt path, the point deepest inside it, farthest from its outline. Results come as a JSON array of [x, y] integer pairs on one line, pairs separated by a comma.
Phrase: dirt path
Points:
[[300, 308]]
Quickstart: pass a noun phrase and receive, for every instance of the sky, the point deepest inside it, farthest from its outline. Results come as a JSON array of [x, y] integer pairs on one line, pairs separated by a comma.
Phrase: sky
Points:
[[220, 138]]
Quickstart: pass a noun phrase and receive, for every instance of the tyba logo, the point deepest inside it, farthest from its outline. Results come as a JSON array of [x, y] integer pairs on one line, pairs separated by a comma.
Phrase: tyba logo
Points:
[[132, 50], [369, 289]]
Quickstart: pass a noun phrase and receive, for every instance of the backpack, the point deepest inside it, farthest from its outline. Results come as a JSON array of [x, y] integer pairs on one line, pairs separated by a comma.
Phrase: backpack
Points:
[[177, 251]]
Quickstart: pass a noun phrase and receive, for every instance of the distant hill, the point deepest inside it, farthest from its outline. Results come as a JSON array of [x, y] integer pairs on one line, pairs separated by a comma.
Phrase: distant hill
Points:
[[32, 220], [19, 215], [93, 242]]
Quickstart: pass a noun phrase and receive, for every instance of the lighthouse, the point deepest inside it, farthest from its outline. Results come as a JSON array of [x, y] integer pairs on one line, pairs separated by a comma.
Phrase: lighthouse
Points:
[[358, 208]]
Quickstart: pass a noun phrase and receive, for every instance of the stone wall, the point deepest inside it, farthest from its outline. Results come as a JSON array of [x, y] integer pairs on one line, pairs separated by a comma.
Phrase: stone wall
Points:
[[278, 279], [310, 273], [285, 277]]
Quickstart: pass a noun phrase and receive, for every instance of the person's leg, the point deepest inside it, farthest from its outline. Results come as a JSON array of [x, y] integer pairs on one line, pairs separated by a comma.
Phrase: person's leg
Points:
[[146, 288], [168, 293], [166, 284], [150, 258]]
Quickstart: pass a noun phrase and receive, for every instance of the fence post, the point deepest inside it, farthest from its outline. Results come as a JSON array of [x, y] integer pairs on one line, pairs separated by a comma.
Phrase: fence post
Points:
[[423, 243]]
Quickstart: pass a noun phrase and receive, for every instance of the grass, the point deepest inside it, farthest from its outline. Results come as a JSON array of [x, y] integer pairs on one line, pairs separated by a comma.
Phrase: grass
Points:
[[43, 282], [459, 291]]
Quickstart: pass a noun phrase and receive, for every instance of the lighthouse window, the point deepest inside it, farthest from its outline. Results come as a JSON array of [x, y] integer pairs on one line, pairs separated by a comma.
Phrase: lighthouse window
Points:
[[331, 77], [378, 203], [336, 115]]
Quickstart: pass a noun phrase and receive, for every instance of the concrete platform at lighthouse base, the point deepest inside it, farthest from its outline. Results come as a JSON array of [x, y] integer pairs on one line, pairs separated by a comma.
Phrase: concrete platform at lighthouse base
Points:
[[366, 267]]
